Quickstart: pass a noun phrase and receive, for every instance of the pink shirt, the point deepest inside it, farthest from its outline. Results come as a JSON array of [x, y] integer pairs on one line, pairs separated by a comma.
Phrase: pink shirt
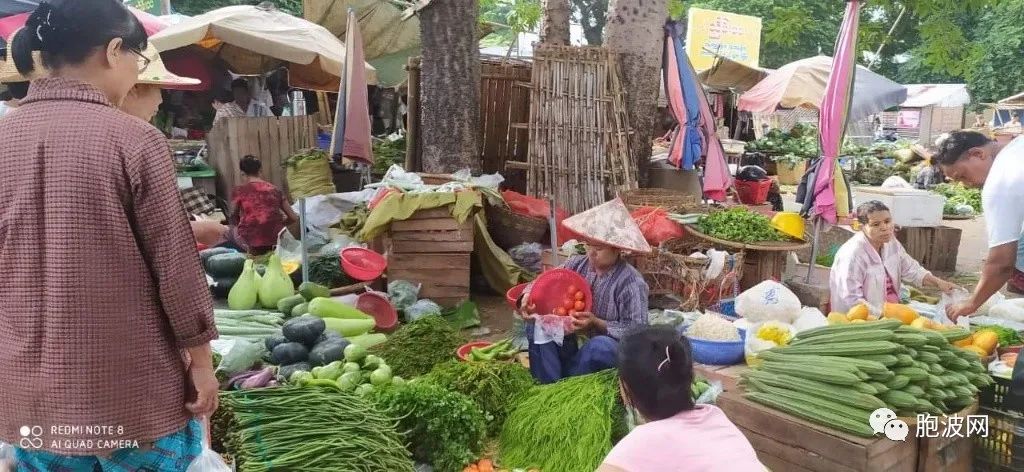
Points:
[[860, 274], [702, 439]]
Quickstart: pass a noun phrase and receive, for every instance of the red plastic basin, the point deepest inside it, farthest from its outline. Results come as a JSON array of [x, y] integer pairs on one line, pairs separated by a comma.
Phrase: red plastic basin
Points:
[[513, 294], [550, 291], [380, 308], [463, 352], [362, 264]]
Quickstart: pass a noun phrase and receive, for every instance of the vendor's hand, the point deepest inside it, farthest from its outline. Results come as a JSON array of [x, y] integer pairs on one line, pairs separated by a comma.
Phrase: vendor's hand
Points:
[[954, 312], [583, 320], [946, 287], [207, 387]]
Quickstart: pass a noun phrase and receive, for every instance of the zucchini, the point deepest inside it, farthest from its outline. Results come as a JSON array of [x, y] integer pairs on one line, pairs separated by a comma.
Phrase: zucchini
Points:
[[913, 373], [910, 340], [897, 382], [300, 309], [328, 308], [807, 371], [846, 336], [851, 349], [887, 360], [898, 400], [839, 422], [928, 357], [821, 389], [287, 304], [888, 325]]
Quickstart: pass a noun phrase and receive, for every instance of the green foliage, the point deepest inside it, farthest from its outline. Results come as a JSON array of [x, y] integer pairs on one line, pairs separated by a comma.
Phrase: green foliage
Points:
[[993, 69], [495, 386], [740, 225]]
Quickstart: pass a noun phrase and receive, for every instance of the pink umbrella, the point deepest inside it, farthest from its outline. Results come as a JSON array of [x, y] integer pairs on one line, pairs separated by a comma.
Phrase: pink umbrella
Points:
[[352, 118], [10, 24], [834, 110]]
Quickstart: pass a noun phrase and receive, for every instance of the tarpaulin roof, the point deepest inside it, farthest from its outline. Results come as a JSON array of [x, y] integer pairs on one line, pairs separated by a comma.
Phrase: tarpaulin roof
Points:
[[727, 74], [936, 95], [1016, 100], [256, 40], [802, 84], [388, 40]]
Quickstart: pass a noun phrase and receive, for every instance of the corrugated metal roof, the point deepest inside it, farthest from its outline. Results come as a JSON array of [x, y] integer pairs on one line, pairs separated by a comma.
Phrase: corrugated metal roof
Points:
[[936, 95]]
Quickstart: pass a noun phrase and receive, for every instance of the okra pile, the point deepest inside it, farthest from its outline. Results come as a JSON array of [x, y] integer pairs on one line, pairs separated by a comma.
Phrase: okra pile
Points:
[[837, 375]]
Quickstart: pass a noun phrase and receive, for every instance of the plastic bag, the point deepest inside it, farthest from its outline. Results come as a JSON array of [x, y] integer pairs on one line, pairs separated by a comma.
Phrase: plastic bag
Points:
[[768, 300], [1010, 310], [656, 226], [551, 328], [242, 356], [338, 243], [958, 295], [711, 394], [752, 344], [673, 318], [208, 460], [809, 318], [528, 256], [403, 293], [289, 249], [994, 300], [536, 207], [896, 182], [421, 309]]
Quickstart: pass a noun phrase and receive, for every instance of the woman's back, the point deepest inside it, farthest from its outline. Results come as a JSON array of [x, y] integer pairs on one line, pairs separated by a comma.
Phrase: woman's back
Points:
[[258, 204], [702, 439], [93, 239]]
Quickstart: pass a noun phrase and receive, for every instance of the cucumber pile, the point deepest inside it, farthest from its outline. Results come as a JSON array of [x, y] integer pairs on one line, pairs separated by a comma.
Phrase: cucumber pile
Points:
[[837, 375]]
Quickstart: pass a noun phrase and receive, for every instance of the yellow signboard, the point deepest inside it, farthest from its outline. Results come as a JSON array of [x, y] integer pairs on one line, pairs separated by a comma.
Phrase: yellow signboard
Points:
[[710, 32]]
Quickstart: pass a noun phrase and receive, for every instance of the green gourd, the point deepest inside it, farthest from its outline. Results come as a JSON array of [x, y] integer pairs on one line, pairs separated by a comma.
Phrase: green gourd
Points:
[[275, 285], [245, 293]]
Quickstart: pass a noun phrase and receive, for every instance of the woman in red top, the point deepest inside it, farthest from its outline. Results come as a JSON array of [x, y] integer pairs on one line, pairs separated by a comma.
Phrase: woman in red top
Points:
[[261, 211]]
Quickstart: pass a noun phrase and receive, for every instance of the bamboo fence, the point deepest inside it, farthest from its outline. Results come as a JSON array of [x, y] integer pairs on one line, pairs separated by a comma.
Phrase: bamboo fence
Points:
[[578, 131]]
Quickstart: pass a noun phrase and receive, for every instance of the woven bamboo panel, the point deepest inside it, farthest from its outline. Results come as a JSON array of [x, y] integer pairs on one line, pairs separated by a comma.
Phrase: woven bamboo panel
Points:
[[578, 130]]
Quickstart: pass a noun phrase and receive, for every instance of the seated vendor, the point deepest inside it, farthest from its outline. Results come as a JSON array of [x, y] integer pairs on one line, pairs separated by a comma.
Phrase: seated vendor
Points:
[[619, 296], [655, 376], [871, 266]]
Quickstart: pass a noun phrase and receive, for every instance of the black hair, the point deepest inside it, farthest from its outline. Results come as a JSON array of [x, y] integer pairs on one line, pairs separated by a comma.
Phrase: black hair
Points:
[[18, 90], [68, 31], [239, 83], [955, 147], [656, 367], [250, 165], [867, 208]]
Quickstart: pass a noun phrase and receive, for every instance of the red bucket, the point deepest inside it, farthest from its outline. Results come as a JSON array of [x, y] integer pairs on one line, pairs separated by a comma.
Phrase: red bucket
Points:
[[753, 193]]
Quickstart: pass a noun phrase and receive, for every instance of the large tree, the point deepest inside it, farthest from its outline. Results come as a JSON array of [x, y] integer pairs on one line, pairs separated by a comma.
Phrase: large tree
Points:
[[554, 27], [635, 30], [592, 15], [450, 86]]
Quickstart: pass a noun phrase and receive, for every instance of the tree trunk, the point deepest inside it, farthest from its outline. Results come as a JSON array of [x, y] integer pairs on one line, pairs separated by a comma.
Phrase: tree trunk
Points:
[[450, 86], [635, 30], [555, 22], [592, 15]]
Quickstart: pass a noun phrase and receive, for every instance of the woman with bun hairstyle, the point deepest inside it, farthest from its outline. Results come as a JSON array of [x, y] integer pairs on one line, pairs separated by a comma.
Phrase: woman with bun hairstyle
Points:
[[655, 375], [102, 290]]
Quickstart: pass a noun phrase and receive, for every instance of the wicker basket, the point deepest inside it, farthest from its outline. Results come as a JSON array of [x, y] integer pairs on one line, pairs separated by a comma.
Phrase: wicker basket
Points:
[[509, 229], [670, 200], [669, 270]]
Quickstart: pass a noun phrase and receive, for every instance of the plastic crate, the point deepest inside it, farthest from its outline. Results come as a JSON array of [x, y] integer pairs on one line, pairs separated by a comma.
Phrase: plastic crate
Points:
[[1003, 449]]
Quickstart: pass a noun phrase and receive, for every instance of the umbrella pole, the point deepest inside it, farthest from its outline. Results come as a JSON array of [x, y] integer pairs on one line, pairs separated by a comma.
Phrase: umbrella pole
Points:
[[814, 249], [302, 240]]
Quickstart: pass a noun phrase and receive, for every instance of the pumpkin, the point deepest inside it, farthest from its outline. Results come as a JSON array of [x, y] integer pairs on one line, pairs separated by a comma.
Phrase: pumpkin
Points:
[[897, 311]]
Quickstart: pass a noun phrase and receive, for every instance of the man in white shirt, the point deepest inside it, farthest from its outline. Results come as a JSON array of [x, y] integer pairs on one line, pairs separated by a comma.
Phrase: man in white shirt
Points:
[[244, 100], [998, 169]]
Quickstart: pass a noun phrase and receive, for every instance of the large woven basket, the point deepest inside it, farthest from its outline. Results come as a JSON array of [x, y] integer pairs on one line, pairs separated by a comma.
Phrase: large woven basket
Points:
[[669, 270], [670, 200], [509, 229]]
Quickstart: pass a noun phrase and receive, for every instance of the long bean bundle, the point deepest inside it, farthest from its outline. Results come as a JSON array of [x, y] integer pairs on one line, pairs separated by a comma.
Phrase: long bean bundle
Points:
[[308, 429], [566, 426]]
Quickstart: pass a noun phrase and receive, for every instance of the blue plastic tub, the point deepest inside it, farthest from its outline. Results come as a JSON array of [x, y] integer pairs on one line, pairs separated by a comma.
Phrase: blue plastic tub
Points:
[[718, 352]]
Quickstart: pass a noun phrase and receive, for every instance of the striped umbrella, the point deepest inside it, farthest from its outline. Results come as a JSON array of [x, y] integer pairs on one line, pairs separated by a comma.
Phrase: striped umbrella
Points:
[[834, 111], [695, 140]]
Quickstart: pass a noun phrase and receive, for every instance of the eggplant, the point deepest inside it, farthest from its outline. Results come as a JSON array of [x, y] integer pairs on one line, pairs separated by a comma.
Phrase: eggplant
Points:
[[285, 372], [289, 353], [260, 380]]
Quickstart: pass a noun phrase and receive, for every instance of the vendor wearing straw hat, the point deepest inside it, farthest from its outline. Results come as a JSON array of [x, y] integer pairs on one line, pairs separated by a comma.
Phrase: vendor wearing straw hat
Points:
[[142, 101], [619, 291]]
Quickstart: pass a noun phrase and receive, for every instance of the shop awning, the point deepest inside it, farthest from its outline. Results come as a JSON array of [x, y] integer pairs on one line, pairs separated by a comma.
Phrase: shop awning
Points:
[[936, 95], [727, 74], [1014, 101], [256, 40]]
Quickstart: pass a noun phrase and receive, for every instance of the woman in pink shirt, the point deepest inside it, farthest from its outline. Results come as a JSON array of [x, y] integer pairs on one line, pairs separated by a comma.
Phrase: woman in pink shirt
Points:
[[872, 264], [655, 372]]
